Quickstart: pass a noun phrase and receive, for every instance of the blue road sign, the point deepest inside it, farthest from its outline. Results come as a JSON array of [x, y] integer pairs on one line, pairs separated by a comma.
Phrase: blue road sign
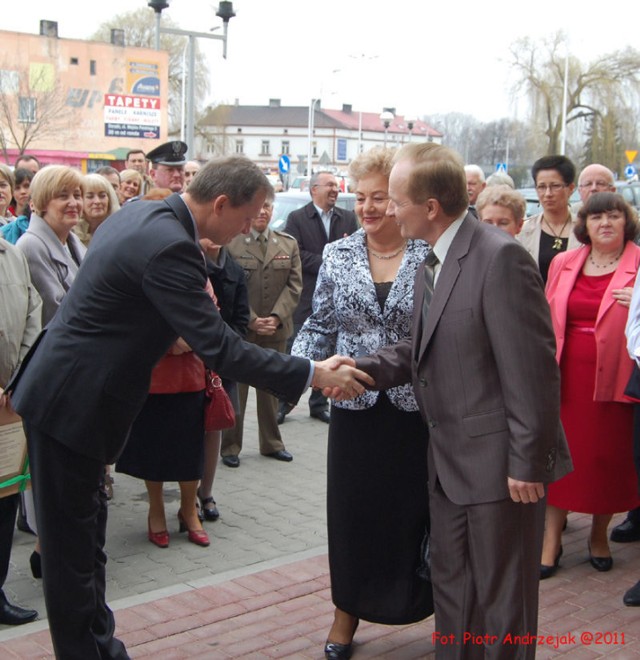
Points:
[[630, 171], [284, 164], [501, 167]]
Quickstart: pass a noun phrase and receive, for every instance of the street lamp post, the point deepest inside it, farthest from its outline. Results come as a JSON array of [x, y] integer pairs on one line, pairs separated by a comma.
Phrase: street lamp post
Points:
[[312, 110], [386, 118], [226, 13], [158, 6]]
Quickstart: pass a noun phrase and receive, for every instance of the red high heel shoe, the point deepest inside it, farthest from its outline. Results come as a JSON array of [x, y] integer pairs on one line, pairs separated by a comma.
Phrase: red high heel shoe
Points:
[[197, 536], [161, 539]]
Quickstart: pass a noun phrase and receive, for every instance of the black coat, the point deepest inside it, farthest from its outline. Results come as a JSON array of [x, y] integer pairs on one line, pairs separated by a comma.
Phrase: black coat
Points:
[[305, 225], [141, 286]]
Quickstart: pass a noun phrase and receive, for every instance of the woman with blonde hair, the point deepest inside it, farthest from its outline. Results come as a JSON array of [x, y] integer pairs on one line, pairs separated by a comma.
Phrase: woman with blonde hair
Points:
[[54, 254], [377, 497], [130, 185], [100, 201]]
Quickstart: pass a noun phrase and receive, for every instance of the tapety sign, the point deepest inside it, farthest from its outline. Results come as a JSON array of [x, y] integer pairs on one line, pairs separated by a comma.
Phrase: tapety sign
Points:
[[131, 116]]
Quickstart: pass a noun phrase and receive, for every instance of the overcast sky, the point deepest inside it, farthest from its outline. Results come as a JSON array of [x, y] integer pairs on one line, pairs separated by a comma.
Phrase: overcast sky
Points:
[[419, 57]]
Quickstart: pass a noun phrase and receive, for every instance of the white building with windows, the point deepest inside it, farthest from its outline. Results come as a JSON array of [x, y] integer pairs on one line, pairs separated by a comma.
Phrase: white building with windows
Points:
[[264, 133]]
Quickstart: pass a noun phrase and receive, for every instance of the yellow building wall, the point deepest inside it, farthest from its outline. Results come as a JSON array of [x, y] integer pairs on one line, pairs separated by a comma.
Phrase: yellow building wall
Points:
[[100, 97]]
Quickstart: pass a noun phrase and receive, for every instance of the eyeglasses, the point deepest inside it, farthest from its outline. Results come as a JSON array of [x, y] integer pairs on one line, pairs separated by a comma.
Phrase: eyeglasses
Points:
[[598, 185], [553, 188]]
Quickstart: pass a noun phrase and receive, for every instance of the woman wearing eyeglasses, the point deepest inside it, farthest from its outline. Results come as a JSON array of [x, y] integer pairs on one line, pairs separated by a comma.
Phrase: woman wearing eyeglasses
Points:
[[551, 232], [589, 291]]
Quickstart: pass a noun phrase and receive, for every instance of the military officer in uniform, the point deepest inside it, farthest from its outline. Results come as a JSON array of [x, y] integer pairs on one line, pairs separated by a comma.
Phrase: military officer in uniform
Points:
[[273, 270]]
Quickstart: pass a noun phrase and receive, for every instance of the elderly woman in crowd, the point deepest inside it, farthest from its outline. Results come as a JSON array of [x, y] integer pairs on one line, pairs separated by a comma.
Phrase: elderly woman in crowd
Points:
[[53, 251], [99, 202], [7, 185], [377, 498], [54, 254], [502, 207], [130, 185], [589, 291], [547, 234]]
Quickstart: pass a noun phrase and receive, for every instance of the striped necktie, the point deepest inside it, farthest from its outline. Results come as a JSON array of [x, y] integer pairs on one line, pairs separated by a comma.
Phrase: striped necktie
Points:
[[429, 272]]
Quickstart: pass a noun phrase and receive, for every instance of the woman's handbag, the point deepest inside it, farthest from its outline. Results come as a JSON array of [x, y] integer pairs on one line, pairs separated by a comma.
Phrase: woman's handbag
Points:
[[219, 413]]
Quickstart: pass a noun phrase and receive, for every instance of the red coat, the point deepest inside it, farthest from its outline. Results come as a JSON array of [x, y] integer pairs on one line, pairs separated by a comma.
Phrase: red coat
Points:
[[613, 365]]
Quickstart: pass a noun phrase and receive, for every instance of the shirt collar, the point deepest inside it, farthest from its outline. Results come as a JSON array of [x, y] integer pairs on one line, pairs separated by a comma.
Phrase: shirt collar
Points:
[[441, 248]]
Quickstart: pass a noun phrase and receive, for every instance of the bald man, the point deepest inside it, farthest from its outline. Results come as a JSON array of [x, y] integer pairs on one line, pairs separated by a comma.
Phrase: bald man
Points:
[[595, 178]]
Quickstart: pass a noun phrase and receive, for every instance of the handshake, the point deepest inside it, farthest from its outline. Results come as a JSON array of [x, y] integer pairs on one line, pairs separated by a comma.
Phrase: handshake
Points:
[[339, 379]]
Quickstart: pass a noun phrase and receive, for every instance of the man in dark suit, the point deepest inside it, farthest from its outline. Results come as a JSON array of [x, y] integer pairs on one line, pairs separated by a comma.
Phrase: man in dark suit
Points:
[[141, 287], [482, 362], [313, 226]]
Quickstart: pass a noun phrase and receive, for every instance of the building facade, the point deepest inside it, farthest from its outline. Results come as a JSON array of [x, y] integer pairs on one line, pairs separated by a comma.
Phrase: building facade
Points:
[[79, 103], [265, 133]]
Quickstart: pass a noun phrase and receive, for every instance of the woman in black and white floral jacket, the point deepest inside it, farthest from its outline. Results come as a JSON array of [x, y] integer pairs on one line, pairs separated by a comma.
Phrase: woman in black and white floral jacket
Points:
[[377, 500]]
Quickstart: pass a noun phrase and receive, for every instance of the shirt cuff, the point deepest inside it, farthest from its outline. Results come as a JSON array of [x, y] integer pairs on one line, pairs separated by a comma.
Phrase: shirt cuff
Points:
[[312, 369]]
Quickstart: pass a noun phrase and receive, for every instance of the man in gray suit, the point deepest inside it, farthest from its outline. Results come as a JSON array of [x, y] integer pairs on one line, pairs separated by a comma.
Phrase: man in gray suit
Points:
[[482, 362], [141, 286]]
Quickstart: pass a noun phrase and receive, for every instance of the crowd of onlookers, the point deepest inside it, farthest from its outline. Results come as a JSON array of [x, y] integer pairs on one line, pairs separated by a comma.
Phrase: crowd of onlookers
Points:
[[338, 282]]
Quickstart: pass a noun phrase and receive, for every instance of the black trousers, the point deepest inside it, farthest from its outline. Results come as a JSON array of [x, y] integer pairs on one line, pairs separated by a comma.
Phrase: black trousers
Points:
[[8, 509], [318, 402], [71, 509]]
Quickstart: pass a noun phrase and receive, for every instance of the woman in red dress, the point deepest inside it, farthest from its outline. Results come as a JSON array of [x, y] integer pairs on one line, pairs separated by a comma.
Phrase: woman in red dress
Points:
[[589, 290]]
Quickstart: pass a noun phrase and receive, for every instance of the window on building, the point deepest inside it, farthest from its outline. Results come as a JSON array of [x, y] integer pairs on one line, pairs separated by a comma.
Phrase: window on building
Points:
[[27, 110], [74, 61], [265, 150], [285, 148], [239, 146], [314, 149], [92, 67]]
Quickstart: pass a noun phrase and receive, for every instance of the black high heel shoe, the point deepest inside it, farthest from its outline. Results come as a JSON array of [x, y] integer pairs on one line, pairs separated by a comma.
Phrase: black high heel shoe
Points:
[[35, 562], [208, 509], [602, 564], [337, 651], [550, 571]]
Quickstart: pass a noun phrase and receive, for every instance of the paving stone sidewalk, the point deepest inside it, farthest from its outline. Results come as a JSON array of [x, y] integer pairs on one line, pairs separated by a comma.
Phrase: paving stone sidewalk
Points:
[[261, 590]]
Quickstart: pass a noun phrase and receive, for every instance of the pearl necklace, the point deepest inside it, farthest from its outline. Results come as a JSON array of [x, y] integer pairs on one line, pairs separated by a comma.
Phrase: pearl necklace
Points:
[[386, 257]]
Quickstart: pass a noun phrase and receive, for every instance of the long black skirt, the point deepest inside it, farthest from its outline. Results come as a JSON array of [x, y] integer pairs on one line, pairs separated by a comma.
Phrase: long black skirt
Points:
[[167, 439], [377, 513]]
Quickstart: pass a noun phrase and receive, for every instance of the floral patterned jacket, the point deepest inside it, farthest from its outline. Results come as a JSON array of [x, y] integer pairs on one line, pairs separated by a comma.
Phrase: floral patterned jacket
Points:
[[347, 319]]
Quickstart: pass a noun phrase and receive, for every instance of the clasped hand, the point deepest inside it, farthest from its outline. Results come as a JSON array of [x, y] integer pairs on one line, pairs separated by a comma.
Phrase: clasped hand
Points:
[[339, 379]]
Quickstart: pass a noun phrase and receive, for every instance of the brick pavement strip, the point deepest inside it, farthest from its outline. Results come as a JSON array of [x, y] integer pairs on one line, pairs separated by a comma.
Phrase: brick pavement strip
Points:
[[261, 589]]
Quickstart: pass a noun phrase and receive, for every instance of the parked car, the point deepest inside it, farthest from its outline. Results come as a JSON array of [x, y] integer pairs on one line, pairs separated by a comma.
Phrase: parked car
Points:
[[286, 202], [630, 191]]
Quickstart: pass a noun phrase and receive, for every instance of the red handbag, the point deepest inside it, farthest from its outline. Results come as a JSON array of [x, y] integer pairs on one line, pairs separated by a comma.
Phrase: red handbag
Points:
[[219, 413]]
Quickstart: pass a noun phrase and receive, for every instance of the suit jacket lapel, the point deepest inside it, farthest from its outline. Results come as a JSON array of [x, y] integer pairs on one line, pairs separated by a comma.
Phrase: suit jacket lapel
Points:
[[447, 277], [623, 276]]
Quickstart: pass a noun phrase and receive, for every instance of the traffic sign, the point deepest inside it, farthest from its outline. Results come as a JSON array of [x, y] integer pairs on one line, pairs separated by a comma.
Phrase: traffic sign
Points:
[[501, 167], [631, 155], [630, 171], [284, 164]]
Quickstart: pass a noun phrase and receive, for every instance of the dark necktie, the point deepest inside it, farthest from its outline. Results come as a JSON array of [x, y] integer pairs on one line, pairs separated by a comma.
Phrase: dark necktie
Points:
[[429, 272]]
